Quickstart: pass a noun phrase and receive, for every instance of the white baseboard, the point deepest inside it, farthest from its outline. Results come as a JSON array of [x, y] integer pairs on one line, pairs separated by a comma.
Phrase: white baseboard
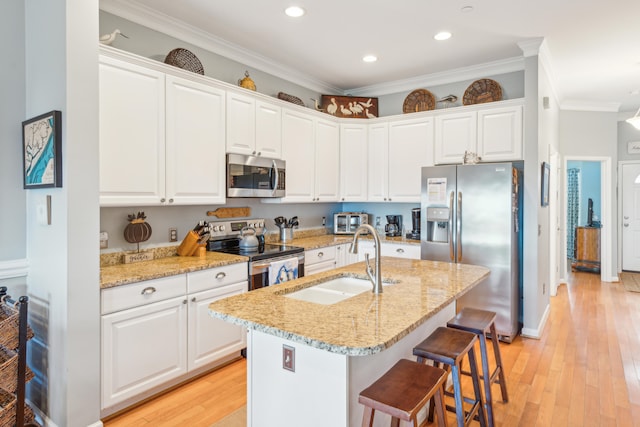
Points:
[[14, 268], [537, 333]]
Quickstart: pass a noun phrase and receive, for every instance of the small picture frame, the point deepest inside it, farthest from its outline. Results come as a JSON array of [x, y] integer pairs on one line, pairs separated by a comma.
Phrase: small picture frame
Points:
[[633, 147], [42, 150], [546, 170]]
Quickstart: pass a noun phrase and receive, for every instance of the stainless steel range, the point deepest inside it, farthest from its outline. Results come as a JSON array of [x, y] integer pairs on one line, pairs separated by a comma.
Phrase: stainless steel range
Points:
[[269, 264]]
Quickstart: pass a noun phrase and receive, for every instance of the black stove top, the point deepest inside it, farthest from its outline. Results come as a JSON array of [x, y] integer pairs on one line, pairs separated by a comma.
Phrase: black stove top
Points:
[[265, 251]]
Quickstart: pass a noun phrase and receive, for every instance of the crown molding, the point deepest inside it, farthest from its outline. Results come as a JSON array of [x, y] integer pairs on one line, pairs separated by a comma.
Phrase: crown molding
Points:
[[142, 15], [546, 62], [531, 47], [14, 268], [451, 76], [582, 105]]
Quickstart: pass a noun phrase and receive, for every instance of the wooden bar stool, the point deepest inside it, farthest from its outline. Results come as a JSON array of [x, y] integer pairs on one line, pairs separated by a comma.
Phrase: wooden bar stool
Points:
[[449, 347], [402, 391], [481, 322]]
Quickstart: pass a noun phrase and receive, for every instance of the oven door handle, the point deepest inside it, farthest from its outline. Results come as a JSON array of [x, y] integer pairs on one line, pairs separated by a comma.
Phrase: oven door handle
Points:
[[268, 262]]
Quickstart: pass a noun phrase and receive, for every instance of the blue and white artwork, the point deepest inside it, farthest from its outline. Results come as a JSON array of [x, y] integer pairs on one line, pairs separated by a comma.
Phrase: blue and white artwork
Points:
[[42, 157]]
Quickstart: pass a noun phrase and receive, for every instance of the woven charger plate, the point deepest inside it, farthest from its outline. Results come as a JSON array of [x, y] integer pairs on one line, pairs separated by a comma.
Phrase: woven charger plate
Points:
[[419, 100], [481, 91], [185, 59]]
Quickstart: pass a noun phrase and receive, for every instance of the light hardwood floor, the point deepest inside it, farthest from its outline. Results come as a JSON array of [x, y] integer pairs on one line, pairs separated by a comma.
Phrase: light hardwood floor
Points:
[[584, 371]]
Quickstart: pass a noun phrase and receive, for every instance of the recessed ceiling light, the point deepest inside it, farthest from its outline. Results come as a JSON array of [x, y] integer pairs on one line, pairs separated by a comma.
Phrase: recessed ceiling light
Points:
[[369, 58], [466, 9], [442, 35], [294, 11]]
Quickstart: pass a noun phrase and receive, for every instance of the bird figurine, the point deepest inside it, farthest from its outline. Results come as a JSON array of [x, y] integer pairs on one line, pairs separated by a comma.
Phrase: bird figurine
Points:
[[109, 38], [368, 114], [448, 100], [317, 104], [345, 111], [367, 104], [333, 107]]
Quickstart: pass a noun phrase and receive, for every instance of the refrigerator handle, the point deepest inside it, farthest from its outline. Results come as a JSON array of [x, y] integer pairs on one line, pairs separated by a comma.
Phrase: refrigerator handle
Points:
[[459, 227], [451, 253]]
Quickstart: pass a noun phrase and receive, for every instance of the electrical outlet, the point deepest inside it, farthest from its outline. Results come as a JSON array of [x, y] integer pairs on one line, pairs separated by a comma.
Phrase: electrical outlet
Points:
[[173, 234], [104, 240], [288, 358], [544, 288]]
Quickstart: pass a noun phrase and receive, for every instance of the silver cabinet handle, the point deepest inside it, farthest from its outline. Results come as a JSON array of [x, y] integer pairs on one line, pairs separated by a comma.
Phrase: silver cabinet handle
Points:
[[221, 275], [459, 226], [451, 255], [277, 173], [320, 254], [626, 217], [400, 250], [148, 291], [162, 200], [626, 224]]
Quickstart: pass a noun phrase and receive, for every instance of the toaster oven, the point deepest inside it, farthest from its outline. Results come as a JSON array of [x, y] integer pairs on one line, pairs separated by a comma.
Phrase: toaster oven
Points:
[[348, 222]]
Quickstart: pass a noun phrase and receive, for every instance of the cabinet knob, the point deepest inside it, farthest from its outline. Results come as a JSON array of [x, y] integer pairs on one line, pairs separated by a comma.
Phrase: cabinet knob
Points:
[[162, 200], [385, 199], [184, 301], [221, 275], [259, 153], [148, 290], [254, 152], [170, 200], [343, 199], [193, 299], [320, 254]]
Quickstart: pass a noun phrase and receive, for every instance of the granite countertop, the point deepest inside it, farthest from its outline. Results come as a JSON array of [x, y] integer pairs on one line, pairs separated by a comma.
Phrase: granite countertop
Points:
[[322, 241], [122, 274], [363, 324]]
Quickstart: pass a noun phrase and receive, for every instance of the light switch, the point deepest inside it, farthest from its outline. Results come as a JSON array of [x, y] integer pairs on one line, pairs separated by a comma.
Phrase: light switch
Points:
[[288, 358]]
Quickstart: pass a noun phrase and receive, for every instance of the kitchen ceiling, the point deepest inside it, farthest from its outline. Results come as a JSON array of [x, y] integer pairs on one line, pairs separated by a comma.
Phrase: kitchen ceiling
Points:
[[594, 46]]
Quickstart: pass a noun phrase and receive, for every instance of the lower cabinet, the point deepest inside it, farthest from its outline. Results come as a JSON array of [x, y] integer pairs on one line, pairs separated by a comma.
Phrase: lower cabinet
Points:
[[398, 250], [343, 256], [319, 260], [157, 333]]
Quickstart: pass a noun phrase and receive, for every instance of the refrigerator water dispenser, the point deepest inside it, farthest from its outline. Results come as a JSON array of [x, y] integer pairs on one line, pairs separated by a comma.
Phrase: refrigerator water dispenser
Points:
[[438, 224]]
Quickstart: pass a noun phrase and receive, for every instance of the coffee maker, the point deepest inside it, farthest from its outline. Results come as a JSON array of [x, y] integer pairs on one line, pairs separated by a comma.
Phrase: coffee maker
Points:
[[394, 226], [415, 222]]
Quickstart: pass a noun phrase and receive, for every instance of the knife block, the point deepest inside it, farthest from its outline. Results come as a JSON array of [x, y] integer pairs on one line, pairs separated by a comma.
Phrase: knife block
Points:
[[189, 245]]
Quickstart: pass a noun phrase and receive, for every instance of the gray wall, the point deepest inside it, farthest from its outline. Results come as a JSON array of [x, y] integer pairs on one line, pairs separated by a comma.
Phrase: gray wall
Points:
[[12, 113]]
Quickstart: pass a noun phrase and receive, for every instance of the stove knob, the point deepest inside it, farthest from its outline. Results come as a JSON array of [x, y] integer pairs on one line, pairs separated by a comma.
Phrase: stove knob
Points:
[[214, 228], [222, 228]]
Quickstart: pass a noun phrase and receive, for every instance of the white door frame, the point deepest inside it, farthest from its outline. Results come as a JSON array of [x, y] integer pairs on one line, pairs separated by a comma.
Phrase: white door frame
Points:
[[619, 188], [554, 189], [606, 216]]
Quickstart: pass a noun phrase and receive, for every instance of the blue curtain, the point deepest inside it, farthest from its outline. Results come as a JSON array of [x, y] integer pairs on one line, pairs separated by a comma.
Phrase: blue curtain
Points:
[[573, 208]]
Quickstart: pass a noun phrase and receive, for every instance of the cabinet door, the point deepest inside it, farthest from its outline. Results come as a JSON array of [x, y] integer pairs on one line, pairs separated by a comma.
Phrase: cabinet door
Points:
[[455, 134], [343, 256], [211, 339], [378, 167], [366, 247], [195, 145], [327, 176], [400, 250], [298, 146], [241, 124], [268, 130], [142, 348], [132, 134], [353, 162], [500, 134], [411, 148]]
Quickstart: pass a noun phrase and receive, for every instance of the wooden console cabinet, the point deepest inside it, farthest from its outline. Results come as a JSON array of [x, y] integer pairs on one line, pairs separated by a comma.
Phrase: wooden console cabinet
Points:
[[587, 249]]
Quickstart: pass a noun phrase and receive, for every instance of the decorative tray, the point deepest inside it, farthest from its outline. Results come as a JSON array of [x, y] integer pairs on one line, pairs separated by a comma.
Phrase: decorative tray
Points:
[[419, 100], [481, 91], [290, 98], [185, 59]]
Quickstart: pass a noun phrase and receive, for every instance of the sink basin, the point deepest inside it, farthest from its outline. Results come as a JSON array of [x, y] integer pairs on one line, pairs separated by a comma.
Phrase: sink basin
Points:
[[333, 291]]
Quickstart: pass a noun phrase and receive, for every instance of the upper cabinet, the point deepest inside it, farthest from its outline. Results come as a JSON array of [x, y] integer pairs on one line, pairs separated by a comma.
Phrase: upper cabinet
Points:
[[493, 133], [154, 131], [353, 162], [254, 127], [310, 146], [378, 154]]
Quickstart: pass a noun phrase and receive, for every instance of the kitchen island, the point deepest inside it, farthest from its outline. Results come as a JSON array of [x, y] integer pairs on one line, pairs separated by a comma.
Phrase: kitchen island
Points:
[[334, 351]]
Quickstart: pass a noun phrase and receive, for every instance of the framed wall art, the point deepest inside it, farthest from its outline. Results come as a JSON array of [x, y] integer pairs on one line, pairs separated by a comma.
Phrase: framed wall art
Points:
[[42, 150], [544, 201], [353, 107]]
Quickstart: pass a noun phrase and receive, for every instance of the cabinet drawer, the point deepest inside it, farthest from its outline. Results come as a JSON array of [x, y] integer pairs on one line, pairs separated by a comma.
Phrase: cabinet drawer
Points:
[[319, 255], [215, 277], [401, 251], [141, 293]]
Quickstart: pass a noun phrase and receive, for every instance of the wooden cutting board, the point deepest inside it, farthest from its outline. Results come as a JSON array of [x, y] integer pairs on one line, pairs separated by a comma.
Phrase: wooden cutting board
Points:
[[230, 212]]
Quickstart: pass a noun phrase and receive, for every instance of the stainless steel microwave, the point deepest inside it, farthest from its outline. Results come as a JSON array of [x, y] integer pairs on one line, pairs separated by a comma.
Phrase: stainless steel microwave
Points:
[[252, 176]]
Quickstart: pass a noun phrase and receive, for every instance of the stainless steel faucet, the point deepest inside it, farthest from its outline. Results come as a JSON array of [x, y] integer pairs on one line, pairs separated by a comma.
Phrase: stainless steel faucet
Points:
[[376, 278]]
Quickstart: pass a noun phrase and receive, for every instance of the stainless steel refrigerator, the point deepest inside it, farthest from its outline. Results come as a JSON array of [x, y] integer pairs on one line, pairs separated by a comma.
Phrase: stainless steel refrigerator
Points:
[[470, 214]]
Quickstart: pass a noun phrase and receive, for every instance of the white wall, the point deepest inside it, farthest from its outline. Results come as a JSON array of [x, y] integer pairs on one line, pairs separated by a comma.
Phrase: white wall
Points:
[[61, 73]]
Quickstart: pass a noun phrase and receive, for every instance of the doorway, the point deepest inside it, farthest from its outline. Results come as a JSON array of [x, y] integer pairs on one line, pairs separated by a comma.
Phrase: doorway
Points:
[[629, 206], [588, 178]]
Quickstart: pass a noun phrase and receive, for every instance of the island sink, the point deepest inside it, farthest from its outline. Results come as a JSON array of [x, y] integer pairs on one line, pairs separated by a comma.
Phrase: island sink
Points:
[[333, 291]]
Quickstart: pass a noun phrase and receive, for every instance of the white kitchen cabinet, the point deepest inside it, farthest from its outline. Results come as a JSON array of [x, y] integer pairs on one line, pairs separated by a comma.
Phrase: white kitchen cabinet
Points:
[[142, 348], [132, 133], [410, 149], [493, 133], [378, 166], [194, 131], [155, 130], [253, 126], [366, 247], [343, 256], [500, 134], [211, 339], [455, 134], [310, 148], [400, 250], [353, 162], [319, 260]]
